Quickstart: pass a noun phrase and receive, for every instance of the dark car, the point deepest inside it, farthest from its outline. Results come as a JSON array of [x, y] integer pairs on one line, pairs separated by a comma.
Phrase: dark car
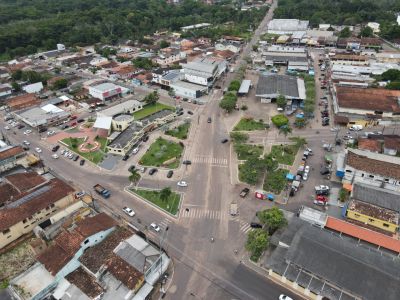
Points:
[[43, 129], [82, 162], [20, 126], [324, 171], [26, 148], [131, 168], [209, 120], [152, 171], [187, 162], [244, 192], [255, 225], [170, 173], [223, 141], [65, 126], [80, 120], [55, 148], [179, 113], [190, 112], [125, 158], [76, 157], [145, 138]]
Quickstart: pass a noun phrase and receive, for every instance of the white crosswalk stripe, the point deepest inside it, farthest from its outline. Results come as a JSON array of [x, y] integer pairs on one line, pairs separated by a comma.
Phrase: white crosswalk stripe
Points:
[[195, 213], [245, 227], [164, 223], [201, 159]]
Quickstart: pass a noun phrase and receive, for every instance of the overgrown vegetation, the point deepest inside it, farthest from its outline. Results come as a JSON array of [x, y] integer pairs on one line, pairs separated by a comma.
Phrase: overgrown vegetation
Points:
[[280, 120], [273, 218], [246, 151], [275, 181], [309, 103], [180, 131], [249, 124]]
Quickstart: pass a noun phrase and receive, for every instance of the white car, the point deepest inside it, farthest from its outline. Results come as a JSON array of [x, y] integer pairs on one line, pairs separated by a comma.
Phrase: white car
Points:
[[66, 153], [51, 132], [70, 156], [305, 176], [307, 169], [182, 183], [38, 150], [155, 227], [54, 156], [28, 131], [128, 211], [136, 150], [284, 297], [63, 151], [334, 129], [322, 188], [7, 128], [26, 143]]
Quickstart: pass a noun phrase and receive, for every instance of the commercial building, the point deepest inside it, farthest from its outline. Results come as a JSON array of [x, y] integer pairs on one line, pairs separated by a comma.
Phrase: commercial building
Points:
[[29, 200], [126, 107], [287, 26], [269, 87], [5, 90], [106, 91], [9, 156], [188, 90], [204, 71], [374, 169]]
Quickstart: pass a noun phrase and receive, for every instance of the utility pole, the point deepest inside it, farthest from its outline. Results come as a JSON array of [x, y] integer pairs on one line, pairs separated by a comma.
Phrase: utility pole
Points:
[[161, 243]]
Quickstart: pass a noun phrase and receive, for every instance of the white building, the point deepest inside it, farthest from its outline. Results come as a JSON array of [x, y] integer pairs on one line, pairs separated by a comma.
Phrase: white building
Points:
[[107, 90], [222, 46], [196, 26], [204, 71], [374, 26], [127, 107], [188, 90], [33, 88], [286, 26]]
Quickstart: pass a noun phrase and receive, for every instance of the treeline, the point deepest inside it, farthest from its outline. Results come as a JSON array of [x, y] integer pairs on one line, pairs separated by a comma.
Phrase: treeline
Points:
[[29, 25], [344, 12]]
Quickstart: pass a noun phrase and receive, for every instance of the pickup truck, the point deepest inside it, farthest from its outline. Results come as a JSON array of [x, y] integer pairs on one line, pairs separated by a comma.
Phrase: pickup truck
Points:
[[244, 192], [102, 191]]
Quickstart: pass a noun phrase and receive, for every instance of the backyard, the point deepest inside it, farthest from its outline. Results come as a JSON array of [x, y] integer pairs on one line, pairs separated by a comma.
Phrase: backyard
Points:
[[249, 124], [275, 181], [95, 156], [179, 132], [150, 109], [170, 204], [163, 153]]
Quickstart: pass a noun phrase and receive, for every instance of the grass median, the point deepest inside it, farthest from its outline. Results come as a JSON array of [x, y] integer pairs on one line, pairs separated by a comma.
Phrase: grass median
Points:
[[162, 153], [169, 204]]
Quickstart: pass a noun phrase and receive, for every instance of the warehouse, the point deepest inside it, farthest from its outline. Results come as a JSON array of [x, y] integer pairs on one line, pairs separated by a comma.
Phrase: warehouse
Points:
[[106, 91]]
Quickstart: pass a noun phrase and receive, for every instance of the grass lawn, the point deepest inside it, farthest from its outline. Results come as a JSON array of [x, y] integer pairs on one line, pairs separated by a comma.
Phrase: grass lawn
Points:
[[95, 157], [275, 181], [171, 205], [150, 109], [249, 125], [103, 143], [245, 151], [160, 151], [284, 154], [179, 132]]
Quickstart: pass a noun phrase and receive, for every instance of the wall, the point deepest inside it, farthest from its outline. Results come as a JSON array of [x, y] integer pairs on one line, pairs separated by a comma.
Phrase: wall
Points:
[[384, 225], [22, 227], [196, 79]]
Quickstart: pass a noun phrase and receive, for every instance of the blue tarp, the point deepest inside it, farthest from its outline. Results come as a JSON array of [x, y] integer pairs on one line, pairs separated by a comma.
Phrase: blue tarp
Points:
[[290, 177], [300, 116], [271, 197]]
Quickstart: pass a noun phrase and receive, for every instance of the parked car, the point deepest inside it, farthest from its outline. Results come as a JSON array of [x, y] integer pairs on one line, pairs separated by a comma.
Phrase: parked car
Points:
[[80, 120], [28, 131], [128, 211], [170, 173], [209, 120], [125, 158], [244, 192], [131, 168], [26, 143], [54, 156], [55, 148], [38, 150], [284, 297], [20, 126], [136, 150], [255, 225], [182, 183], [155, 227], [223, 141], [145, 138], [190, 112], [187, 162], [305, 176], [50, 132], [82, 162], [152, 171], [76, 157]]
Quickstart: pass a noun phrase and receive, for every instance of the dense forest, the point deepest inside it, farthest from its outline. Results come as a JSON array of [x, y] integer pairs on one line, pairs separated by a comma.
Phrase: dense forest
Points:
[[29, 25], [344, 12]]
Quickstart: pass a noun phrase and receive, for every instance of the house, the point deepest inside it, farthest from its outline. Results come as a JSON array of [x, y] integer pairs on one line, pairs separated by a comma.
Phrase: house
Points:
[[29, 200], [22, 101], [231, 46], [166, 77], [9, 156], [124, 72], [269, 87], [374, 26], [303, 255], [5, 90], [4, 74], [391, 145], [372, 168], [33, 88], [372, 216], [225, 54], [170, 56], [106, 91], [369, 145], [286, 26], [349, 43]]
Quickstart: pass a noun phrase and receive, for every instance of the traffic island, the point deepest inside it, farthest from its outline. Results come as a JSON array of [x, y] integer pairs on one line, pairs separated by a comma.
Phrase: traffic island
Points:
[[93, 151], [164, 199], [163, 153], [179, 132]]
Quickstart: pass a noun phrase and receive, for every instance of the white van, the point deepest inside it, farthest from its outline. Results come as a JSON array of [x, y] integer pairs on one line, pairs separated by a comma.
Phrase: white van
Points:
[[356, 127]]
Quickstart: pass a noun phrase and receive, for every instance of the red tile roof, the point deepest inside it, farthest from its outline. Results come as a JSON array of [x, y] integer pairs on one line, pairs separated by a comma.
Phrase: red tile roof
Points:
[[25, 181], [392, 143], [363, 234], [124, 272], [8, 153], [85, 282], [92, 225], [370, 145], [23, 101], [7, 192], [12, 215]]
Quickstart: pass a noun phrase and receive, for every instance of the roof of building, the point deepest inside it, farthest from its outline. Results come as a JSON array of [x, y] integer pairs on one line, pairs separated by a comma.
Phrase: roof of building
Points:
[[368, 99], [345, 264], [25, 181], [363, 234], [377, 196], [369, 145], [188, 85], [103, 122], [28, 203], [124, 272], [105, 87], [92, 225], [374, 163], [245, 86], [40, 115], [23, 101], [10, 152], [85, 282], [7, 192], [349, 57], [94, 257], [392, 143], [126, 136], [374, 211], [120, 108], [288, 25], [274, 85]]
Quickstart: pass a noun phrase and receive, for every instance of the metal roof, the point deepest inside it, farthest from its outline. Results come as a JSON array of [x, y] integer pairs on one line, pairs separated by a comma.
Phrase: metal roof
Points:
[[103, 123], [245, 86], [272, 85], [377, 196]]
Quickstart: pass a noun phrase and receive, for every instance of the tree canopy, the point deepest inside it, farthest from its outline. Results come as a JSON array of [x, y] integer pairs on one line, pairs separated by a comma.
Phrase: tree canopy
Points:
[[257, 242], [273, 218]]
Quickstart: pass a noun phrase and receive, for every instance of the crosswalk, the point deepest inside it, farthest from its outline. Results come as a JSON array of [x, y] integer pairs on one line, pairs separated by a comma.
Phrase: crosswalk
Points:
[[195, 213], [164, 223], [244, 227], [210, 160]]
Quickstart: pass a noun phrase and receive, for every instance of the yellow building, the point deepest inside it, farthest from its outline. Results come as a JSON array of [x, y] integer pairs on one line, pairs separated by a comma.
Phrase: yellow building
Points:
[[28, 200], [373, 215]]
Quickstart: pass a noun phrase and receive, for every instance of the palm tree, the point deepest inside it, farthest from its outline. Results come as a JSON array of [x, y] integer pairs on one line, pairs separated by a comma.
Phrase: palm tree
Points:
[[165, 193], [134, 177], [285, 130]]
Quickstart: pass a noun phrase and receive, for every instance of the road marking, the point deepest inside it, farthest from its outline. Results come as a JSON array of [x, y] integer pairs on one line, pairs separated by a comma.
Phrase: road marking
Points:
[[217, 161], [245, 227], [194, 213], [165, 223]]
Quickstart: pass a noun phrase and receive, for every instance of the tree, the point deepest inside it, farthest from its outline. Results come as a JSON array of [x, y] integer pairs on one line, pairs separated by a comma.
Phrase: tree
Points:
[[60, 84], [345, 33], [239, 137], [366, 31], [143, 63], [255, 48], [391, 75], [257, 242], [15, 86], [151, 98], [270, 163], [395, 85], [234, 85], [244, 107], [164, 44], [281, 101], [285, 130], [273, 218], [17, 75], [134, 177], [165, 193], [300, 122], [280, 120], [228, 102]]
